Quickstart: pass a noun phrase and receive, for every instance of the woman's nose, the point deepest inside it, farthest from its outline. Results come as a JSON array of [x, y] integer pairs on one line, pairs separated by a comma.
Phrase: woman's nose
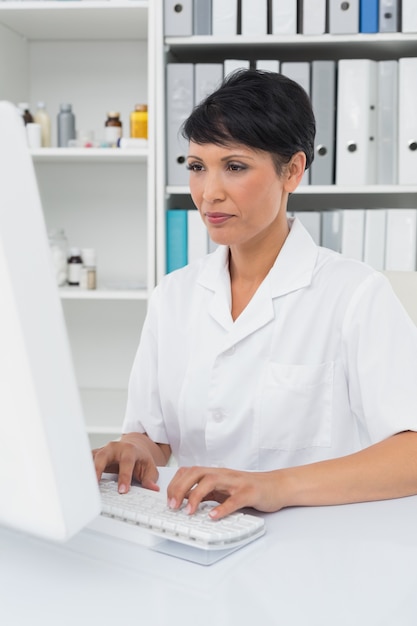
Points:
[[213, 190]]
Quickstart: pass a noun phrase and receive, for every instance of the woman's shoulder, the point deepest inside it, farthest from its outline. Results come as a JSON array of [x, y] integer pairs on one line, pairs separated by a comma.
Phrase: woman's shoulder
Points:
[[345, 275], [336, 263]]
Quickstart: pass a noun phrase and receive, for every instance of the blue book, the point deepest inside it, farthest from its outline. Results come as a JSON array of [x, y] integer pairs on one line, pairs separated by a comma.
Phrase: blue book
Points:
[[368, 16], [176, 239]]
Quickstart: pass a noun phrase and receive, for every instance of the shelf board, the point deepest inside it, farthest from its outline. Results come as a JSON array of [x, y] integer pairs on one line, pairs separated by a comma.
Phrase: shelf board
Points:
[[76, 19], [336, 190], [357, 189], [74, 293], [92, 155], [376, 45], [325, 197], [322, 197], [104, 410]]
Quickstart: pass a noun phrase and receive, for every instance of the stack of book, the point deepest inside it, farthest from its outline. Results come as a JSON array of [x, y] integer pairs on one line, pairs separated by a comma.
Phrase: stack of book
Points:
[[365, 111], [386, 239], [227, 18]]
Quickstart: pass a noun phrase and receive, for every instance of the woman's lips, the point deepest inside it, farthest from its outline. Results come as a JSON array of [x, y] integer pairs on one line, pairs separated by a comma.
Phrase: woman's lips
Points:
[[217, 218]]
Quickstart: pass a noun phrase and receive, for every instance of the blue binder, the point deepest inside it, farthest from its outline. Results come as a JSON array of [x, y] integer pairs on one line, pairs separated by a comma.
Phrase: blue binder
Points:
[[176, 239], [368, 16]]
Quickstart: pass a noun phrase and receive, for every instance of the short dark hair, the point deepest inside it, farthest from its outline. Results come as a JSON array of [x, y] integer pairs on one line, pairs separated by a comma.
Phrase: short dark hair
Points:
[[259, 109]]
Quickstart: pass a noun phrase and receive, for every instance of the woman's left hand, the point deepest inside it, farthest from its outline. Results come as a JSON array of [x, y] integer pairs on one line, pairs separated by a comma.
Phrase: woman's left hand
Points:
[[233, 489]]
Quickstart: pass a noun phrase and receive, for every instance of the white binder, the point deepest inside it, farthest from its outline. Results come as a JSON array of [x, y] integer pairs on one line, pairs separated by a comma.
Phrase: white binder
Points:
[[202, 18], [283, 17], [207, 78], [375, 233], [224, 16], [387, 123], [331, 229], [356, 122], [389, 11], [299, 71], [407, 126], [343, 17], [323, 98], [254, 17], [401, 240], [353, 231], [197, 237], [268, 65], [231, 65], [180, 101], [311, 220], [178, 18], [313, 17], [409, 16]]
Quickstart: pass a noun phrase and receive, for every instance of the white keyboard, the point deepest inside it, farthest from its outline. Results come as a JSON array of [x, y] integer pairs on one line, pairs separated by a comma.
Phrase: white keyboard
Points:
[[148, 510]]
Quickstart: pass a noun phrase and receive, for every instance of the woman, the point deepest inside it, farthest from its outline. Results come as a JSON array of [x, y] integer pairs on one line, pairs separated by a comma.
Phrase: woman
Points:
[[283, 362]]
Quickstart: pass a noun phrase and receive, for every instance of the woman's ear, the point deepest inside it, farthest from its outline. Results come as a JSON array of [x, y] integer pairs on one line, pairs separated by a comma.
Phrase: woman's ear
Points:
[[294, 171]]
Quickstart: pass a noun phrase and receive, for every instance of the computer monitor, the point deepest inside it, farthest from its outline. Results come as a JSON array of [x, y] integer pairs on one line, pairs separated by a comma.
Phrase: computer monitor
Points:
[[48, 486]]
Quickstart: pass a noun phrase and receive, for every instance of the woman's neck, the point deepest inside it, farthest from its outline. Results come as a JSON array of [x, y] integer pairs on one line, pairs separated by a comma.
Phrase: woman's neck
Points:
[[251, 262], [249, 265]]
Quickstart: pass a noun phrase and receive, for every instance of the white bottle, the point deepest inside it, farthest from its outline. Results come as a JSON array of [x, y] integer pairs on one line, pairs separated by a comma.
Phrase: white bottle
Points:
[[42, 118], [59, 251], [88, 278]]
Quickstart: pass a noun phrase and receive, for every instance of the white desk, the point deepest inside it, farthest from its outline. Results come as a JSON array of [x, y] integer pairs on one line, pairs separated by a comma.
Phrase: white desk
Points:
[[352, 565]]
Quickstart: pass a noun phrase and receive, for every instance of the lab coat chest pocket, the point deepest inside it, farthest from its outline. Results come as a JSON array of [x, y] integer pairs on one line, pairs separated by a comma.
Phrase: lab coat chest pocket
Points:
[[296, 406]]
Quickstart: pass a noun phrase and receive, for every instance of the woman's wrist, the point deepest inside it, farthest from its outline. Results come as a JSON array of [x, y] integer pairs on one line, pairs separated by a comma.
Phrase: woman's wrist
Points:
[[160, 452]]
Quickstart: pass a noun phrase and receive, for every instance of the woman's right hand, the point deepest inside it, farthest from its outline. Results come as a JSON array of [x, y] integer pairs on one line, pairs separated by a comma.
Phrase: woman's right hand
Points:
[[131, 458]]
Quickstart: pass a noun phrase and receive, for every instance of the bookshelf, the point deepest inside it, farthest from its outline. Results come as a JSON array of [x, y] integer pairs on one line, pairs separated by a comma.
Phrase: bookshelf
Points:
[[297, 48], [98, 55]]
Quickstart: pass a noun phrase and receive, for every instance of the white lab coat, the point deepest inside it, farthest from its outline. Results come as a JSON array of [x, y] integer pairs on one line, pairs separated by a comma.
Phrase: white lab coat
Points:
[[321, 363]]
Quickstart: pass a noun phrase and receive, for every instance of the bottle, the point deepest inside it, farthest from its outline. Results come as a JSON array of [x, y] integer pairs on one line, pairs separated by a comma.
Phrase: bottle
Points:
[[59, 248], [75, 264], [113, 128], [33, 135], [89, 274], [139, 122], [26, 114], [42, 118], [66, 125]]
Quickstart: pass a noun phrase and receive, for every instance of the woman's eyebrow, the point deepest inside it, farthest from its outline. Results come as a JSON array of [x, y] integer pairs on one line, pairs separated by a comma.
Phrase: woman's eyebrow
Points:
[[225, 158]]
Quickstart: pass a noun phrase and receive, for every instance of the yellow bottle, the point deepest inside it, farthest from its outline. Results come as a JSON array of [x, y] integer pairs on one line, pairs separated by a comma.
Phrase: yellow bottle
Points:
[[139, 122]]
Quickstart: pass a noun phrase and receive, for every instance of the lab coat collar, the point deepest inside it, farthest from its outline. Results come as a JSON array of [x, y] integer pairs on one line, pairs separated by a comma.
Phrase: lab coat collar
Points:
[[292, 270], [294, 266]]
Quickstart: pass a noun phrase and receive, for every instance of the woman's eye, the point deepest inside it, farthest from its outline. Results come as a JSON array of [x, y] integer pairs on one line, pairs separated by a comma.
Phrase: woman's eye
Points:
[[236, 167], [194, 167]]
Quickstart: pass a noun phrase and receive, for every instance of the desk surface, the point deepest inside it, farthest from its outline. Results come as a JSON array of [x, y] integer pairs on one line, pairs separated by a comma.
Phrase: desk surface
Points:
[[353, 565]]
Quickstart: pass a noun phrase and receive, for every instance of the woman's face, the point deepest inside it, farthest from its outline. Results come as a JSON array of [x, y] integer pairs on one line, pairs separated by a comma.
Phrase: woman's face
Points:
[[238, 193]]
